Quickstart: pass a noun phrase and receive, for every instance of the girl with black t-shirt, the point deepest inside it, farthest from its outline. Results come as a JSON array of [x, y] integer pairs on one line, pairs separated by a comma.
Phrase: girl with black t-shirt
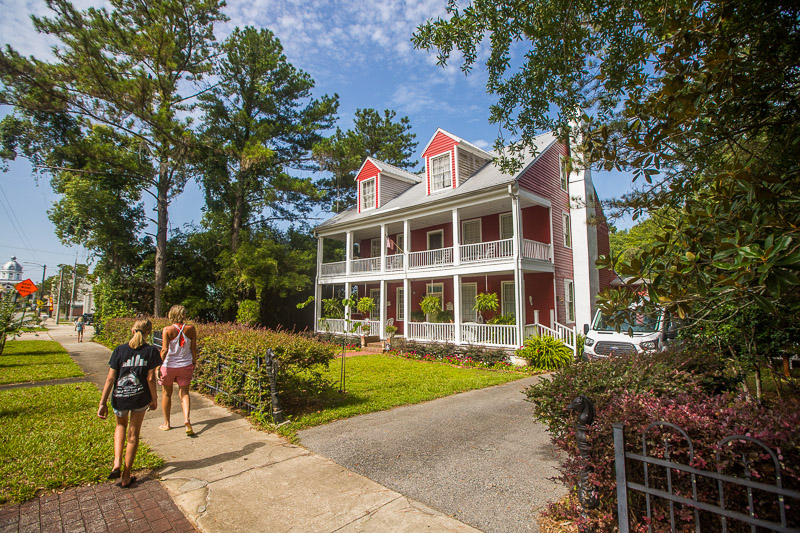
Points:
[[131, 383]]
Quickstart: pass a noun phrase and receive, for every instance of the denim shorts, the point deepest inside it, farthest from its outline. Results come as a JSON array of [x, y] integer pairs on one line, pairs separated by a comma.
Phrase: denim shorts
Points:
[[129, 411]]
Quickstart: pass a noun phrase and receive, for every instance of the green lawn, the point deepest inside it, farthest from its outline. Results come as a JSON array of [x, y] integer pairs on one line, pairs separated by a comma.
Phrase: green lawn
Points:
[[50, 437], [378, 382], [25, 361]]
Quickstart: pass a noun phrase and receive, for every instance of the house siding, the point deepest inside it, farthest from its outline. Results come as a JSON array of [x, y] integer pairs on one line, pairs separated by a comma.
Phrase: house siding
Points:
[[368, 171], [468, 164], [419, 237], [543, 178], [440, 144], [390, 188]]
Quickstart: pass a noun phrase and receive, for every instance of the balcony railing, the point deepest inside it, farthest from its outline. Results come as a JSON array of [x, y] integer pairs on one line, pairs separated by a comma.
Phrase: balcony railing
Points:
[[371, 264], [535, 250], [487, 251], [333, 269], [394, 262], [429, 258], [333, 325]]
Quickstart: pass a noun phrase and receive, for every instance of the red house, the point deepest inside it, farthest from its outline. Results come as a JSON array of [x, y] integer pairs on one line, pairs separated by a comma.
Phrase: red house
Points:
[[463, 228]]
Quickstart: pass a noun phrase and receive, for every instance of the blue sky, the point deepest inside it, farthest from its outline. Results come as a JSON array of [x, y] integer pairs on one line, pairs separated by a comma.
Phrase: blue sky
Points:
[[357, 49]]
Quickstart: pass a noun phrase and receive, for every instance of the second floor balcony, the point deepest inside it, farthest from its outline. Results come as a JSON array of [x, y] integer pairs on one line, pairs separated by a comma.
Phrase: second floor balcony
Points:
[[469, 254]]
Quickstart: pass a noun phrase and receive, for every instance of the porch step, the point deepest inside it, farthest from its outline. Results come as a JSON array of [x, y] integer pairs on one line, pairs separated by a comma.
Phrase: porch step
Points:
[[373, 347]]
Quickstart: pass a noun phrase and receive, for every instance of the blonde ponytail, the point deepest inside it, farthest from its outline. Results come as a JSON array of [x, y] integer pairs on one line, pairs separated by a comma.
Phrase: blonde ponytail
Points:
[[141, 330]]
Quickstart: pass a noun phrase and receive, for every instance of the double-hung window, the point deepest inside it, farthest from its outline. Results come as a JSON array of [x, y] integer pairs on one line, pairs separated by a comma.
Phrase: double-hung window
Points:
[[375, 314], [375, 248], [506, 226], [564, 174], [567, 226], [509, 303], [368, 194], [569, 299], [441, 173], [400, 313], [435, 289], [469, 293], [471, 231]]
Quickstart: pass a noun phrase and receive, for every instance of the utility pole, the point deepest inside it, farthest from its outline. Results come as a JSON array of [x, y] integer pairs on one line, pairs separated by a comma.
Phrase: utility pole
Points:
[[58, 305], [72, 294], [41, 292]]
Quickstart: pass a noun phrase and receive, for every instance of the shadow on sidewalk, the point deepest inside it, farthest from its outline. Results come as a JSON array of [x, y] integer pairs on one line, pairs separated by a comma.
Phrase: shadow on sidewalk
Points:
[[174, 467]]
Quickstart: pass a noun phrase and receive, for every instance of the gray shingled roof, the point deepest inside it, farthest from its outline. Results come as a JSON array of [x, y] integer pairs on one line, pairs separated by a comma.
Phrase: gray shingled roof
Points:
[[487, 177]]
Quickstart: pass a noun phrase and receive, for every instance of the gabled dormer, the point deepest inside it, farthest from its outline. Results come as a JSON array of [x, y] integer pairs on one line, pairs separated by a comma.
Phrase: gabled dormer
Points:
[[450, 161], [380, 182]]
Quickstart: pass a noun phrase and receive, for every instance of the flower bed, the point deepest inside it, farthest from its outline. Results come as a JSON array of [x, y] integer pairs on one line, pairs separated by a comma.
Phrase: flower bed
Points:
[[469, 357]]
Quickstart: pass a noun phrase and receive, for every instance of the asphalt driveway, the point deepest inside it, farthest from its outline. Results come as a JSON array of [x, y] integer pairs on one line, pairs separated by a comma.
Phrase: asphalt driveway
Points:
[[477, 456]]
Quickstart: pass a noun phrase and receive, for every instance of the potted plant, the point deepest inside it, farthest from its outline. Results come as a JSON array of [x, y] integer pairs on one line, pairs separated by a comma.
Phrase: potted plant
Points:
[[391, 329], [431, 305], [365, 306], [486, 302]]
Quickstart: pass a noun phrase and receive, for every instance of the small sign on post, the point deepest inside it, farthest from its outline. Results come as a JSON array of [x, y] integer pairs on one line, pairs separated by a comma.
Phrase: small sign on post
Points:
[[25, 288]]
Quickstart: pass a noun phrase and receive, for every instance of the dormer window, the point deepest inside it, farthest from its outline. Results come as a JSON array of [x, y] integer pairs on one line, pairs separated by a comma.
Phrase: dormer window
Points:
[[368, 194], [441, 173]]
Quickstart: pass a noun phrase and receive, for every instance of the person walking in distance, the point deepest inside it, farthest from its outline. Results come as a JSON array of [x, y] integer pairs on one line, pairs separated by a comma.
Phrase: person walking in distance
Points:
[[179, 353], [131, 383], [79, 327]]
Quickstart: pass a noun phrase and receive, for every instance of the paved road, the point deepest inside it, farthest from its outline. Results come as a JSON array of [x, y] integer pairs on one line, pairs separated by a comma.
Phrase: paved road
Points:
[[477, 456]]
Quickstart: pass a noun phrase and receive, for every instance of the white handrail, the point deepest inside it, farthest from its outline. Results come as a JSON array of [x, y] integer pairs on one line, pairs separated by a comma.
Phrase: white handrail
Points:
[[487, 251], [428, 258], [332, 325], [535, 250], [332, 269], [370, 264], [394, 262], [431, 332], [492, 334]]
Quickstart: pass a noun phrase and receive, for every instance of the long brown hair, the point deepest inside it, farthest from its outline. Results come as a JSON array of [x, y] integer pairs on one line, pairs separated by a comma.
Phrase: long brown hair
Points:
[[141, 330]]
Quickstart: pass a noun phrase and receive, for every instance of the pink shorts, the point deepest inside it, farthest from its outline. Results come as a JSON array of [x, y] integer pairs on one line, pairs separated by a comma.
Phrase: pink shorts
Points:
[[181, 374]]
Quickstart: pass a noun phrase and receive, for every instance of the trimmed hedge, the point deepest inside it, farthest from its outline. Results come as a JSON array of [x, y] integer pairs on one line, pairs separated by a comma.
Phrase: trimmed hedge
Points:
[[231, 356], [691, 390]]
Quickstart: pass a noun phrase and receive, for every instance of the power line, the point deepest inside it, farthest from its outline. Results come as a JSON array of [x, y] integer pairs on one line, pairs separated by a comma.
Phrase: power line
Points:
[[41, 251], [12, 216]]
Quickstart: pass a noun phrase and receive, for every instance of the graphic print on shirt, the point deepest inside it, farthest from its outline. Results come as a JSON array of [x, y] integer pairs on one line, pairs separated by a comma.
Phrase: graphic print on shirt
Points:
[[128, 385]]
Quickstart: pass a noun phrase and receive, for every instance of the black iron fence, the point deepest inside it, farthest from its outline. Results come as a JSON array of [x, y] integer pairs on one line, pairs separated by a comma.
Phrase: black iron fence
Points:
[[674, 490], [229, 378]]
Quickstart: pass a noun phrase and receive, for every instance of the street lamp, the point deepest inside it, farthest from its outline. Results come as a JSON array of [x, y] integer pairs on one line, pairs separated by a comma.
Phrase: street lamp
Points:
[[41, 287]]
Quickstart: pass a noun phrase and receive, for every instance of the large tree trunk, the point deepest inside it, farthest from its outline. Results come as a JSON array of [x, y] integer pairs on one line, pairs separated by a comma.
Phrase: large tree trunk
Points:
[[162, 202], [238, 215]]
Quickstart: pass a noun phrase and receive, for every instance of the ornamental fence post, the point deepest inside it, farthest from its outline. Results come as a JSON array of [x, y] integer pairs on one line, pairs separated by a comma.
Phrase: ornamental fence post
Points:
[[272, 369]]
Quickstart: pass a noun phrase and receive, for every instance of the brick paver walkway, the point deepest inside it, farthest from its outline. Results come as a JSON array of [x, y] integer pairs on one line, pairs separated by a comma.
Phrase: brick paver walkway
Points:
[[98, 508]]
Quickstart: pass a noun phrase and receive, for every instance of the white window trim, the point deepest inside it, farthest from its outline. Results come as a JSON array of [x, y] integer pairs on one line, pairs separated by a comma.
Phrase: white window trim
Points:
[[441, 292], [563, 175], [511, 216], [480, 229], [401, 244], [375, 314], [372, 247], [400, 302], [566, 223], [432, 233], [361, 193], [449, 185], [503, 285], [474, 313], [569, 305]]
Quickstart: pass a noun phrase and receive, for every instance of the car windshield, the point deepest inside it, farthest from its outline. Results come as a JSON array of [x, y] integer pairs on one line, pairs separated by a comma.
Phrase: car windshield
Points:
[[641, 324]]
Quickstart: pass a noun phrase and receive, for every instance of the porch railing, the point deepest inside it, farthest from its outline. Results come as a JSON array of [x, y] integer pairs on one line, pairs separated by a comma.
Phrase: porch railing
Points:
[[487, 251], [333, 325], [394, 262], [561, 332], [536, 250], [429, 258], [333, 269], [374, 327], [493, 334], [371, 264], [433, 332]]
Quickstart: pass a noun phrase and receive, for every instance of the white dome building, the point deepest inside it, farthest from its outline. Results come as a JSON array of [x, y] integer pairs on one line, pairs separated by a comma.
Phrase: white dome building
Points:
[[10, 274]]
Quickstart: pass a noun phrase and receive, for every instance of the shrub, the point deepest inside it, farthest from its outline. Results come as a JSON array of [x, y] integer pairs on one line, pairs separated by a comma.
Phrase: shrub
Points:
[[545, 353], [231, 356], [680, 388], [469, 356], [505, 320]]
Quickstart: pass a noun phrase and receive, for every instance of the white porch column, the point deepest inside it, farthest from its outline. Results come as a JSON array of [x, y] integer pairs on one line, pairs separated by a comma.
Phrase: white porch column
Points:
[[516, 221], [383, 249], [406, 307], [457, 306], [382, 333], [348, 254], [347, 289], [319, 256], [317, 304], [407, 244], [456, 239], [519, 304]]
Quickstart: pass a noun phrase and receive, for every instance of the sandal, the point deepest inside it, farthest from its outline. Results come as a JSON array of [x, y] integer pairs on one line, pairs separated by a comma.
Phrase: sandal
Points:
[[115, 474], [189, 430], [164, 427], [130, 483]]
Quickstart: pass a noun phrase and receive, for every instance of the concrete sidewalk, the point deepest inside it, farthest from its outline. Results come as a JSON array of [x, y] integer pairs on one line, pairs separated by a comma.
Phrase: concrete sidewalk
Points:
[[231, 477]]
